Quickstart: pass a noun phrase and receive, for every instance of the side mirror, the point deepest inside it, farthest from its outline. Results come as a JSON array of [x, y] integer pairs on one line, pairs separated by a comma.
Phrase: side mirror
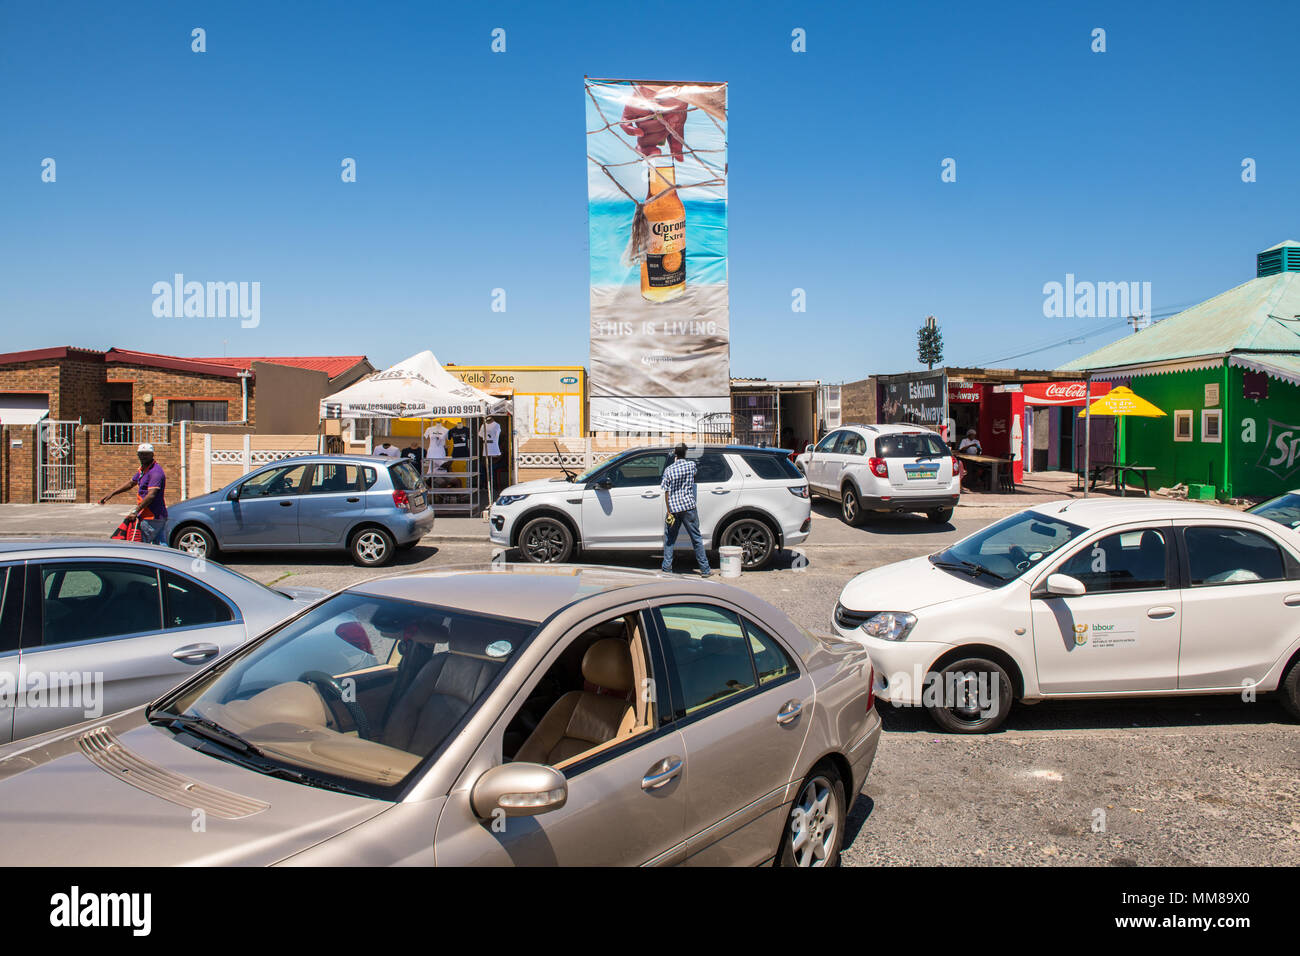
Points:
[[605, 483], [234, 493], [518, 789], [807, 449], [1063, 585]]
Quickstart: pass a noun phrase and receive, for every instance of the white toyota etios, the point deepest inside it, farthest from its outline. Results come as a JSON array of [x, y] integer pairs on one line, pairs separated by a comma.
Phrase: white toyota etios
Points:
[[1094, 598]]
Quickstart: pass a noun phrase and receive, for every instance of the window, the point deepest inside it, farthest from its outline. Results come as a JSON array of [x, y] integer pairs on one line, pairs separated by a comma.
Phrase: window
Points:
[[1127, 561], [770, 658], [405, 476], [911, 445], [275, 482], [368, 477], [187, 604], [640, 471], [1212, 425], [197, 411], [853, 444], [712, 467], [772, 467], [595, 695], [1285, 510], [827, 445], [709, 652], [1231, 556], [1183, 424], [327, 479], [93, 601], [1011, 546]]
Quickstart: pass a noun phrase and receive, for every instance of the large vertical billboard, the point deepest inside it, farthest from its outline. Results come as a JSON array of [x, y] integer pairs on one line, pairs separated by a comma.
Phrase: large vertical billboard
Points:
[[657, 220]]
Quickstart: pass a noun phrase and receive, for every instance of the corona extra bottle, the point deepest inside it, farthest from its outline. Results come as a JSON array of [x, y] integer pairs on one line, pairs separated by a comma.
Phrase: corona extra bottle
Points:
[[663, 268]]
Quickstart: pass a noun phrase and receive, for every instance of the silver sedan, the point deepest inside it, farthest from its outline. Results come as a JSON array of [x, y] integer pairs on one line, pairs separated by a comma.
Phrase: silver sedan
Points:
[[517, 714], [90, 628]]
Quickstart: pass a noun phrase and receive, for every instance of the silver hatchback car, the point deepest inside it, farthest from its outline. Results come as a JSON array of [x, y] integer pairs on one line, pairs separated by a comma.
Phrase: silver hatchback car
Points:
[[92, 628], [513, 714]]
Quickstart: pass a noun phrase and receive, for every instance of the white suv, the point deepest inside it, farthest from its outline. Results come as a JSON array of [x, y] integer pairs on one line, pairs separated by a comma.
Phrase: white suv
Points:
[[884, 468], [752, 498]]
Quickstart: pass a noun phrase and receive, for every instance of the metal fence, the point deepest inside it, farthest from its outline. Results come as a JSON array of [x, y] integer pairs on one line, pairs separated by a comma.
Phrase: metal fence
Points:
[[134, 433]]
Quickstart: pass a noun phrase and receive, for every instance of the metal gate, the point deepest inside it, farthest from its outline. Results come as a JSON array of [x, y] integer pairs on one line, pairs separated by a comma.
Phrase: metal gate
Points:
[[715, 428], [754, 416], [56, 472]]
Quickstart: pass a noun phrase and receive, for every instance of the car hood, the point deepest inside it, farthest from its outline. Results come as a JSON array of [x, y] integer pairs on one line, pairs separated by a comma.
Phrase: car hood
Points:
[[906, 586], [540, 486], [57, 808], [202, 501]]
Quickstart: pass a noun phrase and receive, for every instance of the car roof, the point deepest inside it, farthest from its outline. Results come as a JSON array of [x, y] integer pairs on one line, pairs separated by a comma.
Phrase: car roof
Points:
[[1099, 512], [714, 446], [888, 429], [526, 592], [124, 548]]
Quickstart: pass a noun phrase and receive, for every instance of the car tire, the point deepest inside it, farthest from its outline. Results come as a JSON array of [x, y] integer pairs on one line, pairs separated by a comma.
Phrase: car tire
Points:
[[971, 720], [371, 547], [1288, 691], [196, 540], [821, 813], [756, 540], [851, 506], [546, 540], [939, 515]]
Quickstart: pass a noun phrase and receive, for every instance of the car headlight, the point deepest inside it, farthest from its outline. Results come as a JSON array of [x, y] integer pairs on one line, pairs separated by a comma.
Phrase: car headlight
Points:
[[510, 499], [890, 625]]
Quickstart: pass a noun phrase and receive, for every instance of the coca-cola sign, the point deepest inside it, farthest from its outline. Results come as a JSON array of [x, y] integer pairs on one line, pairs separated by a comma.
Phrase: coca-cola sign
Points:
[[1062, 393]]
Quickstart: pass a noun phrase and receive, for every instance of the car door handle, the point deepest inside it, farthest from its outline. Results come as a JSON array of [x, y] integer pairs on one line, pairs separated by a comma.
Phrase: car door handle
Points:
[[1160, 613], [195, 653], [1292, 600], [353, 500], [662, 772], [789, 711], [721, 491], [650, 494], [286, 504]]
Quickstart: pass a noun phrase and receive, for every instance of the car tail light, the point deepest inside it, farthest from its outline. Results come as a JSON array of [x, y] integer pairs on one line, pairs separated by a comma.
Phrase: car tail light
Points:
[[956, 465], [401, 500], [871, 688], [799, 491], [878, 467]]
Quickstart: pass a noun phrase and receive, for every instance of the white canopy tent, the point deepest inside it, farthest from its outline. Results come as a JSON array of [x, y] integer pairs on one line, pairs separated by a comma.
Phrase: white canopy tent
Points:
[[416, 387]]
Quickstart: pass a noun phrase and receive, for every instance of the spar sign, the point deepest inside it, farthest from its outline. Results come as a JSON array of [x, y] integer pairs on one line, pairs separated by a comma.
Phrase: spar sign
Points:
[[1073, 394]]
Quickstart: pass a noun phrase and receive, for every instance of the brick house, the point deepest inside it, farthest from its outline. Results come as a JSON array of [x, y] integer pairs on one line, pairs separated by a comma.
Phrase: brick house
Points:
[[120, 397]]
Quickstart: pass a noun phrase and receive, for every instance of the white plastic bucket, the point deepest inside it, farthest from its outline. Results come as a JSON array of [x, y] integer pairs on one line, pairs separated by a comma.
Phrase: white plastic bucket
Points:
[[729, 557]]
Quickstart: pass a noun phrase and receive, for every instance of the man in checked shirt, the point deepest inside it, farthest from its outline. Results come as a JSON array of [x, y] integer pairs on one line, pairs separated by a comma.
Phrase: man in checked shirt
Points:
[[678, 484]]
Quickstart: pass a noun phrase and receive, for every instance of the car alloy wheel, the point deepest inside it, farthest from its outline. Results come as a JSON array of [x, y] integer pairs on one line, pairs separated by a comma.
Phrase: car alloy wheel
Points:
[[755, 541], [546, 541], [371, 547], [850, 506], [194, 541], [815, 823], [981, 696]]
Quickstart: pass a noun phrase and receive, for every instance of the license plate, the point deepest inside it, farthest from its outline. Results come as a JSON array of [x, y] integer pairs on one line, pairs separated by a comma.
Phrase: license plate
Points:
[[417, 502], [917, 472]]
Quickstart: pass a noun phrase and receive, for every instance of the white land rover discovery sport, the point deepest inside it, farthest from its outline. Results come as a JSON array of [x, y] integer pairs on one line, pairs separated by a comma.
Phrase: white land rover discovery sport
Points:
[[884, 468], [752, 498]]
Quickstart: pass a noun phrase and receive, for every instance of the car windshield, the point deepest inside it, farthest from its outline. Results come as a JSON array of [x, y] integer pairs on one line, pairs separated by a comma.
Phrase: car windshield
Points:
[[590, 473], [1284, 509], [355, 694], [1007, 549]]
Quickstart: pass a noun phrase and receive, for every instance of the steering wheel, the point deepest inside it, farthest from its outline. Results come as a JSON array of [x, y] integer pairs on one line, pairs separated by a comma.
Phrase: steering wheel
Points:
[[323, 681]]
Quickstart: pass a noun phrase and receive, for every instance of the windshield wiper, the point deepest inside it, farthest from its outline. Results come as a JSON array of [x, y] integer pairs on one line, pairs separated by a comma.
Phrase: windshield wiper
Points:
[[969, 567], [210, 729], [568, 475]]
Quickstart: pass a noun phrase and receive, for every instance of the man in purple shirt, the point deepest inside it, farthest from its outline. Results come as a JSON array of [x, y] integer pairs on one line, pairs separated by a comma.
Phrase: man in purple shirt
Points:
[[150, 483]]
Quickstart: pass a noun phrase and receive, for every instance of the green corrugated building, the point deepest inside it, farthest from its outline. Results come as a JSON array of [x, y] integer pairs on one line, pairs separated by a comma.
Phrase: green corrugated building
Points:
[[1227, 372]]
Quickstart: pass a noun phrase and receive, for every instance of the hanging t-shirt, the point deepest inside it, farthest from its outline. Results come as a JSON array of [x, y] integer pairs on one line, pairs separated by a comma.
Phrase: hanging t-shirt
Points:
[[458, 442], [491, 433], [435, 441], [388, 451]]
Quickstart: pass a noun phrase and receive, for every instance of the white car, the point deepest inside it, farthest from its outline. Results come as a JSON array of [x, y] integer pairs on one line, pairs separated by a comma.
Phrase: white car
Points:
[[884, 468], [752, 498], [1085, 598]]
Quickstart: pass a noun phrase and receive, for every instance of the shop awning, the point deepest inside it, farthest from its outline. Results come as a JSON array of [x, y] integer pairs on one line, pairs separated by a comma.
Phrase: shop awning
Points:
[[23, 409], [417, 387]]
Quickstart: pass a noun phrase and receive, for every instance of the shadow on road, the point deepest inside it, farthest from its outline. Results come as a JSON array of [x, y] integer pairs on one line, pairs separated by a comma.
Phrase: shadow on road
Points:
[[405, 557], [1168, 712], [874, 522]]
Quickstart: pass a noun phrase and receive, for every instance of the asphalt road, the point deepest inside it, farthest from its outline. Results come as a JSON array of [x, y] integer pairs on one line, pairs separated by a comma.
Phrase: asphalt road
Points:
[[1190, 781]]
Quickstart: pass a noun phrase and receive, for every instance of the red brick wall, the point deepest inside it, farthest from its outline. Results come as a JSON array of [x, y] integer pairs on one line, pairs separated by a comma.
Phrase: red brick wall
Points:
[[34, 377], [17, 466], [165, 385], [82, 393], [110, 466]]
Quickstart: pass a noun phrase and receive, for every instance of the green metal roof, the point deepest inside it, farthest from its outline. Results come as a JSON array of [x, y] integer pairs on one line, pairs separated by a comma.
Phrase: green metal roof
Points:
[[1262, 315]]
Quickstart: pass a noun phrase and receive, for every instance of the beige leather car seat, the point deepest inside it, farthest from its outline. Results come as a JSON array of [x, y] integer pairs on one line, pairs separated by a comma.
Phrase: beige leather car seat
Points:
[[580, 720], [440, 695]]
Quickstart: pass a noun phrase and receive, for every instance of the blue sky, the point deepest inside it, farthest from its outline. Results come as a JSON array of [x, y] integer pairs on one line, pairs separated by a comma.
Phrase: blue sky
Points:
[[1115, 166]]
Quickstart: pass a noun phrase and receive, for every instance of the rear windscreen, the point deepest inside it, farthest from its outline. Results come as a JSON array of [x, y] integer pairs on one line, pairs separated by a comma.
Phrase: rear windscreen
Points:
[[910, 445], [772, 466], [406, 477]]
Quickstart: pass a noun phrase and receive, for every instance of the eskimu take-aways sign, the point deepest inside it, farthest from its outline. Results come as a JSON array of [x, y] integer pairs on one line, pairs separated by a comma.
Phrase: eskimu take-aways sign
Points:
[[657, 222]]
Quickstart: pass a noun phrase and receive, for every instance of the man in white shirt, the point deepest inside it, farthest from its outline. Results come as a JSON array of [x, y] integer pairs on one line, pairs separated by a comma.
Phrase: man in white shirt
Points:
[[970, 445]]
